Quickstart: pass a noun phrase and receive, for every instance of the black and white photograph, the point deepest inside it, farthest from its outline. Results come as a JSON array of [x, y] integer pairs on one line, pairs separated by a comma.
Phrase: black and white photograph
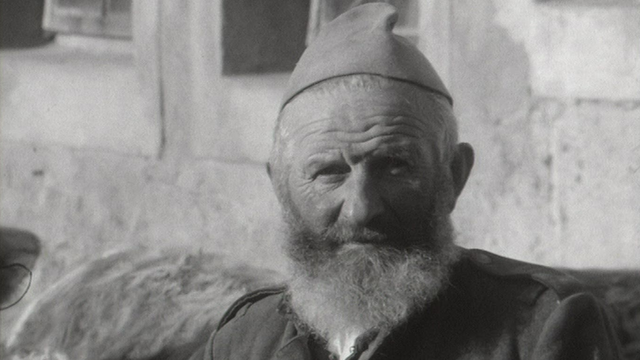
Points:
[[320, 179]]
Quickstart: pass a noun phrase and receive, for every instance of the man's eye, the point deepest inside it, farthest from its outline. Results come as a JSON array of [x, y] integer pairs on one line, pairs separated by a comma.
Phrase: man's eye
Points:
[[395, 166], [333, 170]]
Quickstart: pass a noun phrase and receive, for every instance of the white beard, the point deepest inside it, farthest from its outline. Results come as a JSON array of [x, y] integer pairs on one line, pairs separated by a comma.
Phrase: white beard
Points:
[[366, 287]]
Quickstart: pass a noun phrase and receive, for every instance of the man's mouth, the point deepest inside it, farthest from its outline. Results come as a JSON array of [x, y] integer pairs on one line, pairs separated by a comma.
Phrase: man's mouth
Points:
[[364, 244], [357, 245]]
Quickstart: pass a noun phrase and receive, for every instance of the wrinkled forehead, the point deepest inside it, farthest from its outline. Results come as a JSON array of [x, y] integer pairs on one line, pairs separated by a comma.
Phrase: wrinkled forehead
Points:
[[347, 109]]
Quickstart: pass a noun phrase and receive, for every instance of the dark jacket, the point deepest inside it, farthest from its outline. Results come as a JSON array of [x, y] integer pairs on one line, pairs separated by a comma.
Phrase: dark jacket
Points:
[[494, 308]]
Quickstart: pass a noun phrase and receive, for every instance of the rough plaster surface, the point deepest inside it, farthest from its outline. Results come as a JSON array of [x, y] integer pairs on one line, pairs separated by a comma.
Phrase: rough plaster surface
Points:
[[588, 52], [77, 93], [598, 183], [239, 124], [66, 195], [84, 203], [505, 207], [555, 179]]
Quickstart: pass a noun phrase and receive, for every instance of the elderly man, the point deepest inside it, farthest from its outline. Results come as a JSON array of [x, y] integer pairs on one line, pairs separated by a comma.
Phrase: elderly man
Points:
[[367, 167]]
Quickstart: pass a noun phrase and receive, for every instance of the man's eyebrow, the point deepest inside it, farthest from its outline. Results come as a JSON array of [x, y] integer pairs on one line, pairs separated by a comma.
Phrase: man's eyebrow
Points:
[[398, 150], [323, 157]]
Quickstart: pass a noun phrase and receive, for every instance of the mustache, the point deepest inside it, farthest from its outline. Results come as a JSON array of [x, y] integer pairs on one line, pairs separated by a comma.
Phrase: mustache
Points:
[[335, 237], [378, 233], [342, 235], [314, 250]]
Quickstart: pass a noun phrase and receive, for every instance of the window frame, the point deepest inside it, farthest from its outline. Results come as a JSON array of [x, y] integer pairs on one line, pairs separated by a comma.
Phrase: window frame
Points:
[[75, 20]]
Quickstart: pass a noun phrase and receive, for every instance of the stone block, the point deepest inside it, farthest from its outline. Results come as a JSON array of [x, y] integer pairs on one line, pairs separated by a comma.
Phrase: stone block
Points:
[[588, 52], [598, 183], [505, 207]]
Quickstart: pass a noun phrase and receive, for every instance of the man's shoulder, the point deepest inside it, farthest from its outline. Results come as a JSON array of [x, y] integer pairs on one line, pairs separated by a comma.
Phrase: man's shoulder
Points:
[[253, 324], [506, 270], [265, 299], [554, 316]]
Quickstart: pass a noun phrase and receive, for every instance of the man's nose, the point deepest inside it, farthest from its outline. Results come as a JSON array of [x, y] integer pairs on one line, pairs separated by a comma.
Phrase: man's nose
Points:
[[362, 201]]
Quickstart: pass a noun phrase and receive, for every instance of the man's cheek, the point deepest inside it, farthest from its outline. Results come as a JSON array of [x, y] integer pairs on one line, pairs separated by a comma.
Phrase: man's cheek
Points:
[[408, 204], [318, 211]]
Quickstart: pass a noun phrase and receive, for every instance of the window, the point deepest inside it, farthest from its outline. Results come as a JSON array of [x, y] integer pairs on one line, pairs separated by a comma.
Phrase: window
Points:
[[408, 25], [263, 36], [107, 18]]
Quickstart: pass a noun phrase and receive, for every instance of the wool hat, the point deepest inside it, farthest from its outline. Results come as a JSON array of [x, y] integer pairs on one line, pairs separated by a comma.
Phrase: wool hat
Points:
[[361, 41]]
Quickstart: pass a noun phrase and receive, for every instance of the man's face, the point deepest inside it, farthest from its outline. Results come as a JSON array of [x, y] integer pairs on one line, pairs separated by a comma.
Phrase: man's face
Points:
[[367, 201], [364, 171]]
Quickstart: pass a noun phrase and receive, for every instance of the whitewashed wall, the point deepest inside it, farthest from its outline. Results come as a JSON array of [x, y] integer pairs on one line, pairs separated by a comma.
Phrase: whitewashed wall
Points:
[[108, 145]]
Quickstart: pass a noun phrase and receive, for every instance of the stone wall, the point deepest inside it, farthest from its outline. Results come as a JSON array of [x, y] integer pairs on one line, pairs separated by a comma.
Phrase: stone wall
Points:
[[107, 145], [549, 95]]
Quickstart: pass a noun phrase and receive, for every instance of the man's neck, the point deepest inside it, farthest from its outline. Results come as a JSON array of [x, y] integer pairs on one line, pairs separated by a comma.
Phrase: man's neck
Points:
[[343, 344], [352, 341]]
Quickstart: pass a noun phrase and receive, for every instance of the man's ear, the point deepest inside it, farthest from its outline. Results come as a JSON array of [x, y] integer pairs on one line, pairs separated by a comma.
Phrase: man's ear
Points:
[[460, 166]]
